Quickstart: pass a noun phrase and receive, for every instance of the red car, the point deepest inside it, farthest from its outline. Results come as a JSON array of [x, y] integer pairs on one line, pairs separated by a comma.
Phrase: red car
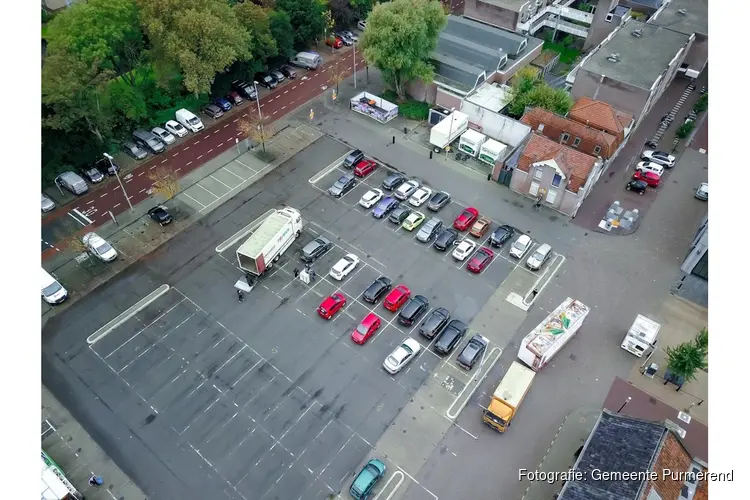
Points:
[[466, 219], [396, 298], [480, 260], [330, 306], [365, 167], [366, 329], [649, 178], [334, 42]]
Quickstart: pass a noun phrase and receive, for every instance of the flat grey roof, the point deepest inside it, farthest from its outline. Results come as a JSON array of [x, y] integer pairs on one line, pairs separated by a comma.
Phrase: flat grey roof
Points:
[[694, 19], [484, 34], [454, 72], [642, 59]]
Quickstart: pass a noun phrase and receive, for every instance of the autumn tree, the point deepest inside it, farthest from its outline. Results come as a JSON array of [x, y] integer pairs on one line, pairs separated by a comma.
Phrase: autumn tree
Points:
[[200, 38], [399, 39], [258, 129], [165, 183]]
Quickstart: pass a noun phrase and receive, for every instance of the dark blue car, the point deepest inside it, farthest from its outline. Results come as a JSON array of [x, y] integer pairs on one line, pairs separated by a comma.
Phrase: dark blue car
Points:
[[384, 207], [223, 103]]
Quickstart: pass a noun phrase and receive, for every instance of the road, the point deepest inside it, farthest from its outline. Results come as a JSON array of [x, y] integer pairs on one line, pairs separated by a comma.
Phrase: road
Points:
[[92, 209]]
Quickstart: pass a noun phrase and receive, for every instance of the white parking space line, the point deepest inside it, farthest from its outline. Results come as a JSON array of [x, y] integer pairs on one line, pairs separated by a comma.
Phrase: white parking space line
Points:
[[196, 201], [230, 172], [217, 180], [206, 190], [126, 315], [398, 474], [355, 249], [247, 167], [453, 412]]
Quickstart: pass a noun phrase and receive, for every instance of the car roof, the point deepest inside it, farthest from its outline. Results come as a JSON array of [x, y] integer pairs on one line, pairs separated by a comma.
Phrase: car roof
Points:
[[370, 319]]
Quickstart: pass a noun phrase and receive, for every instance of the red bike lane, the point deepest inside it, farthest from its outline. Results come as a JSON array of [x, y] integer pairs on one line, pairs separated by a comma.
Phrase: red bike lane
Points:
[[197, 149]]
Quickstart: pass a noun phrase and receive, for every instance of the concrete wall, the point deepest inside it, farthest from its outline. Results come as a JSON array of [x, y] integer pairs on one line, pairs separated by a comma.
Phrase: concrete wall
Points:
[[447, 100], [491, 14], [630, 99], [499, 127], [421, 91], [564, 202]]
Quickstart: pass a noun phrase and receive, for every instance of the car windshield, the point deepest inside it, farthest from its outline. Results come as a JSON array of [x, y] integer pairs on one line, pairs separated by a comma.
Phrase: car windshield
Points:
[[362, 329], [103, 247], [194, 121], [519, 245], [392, 360], [467, 215], [538, 256], [51, 289]]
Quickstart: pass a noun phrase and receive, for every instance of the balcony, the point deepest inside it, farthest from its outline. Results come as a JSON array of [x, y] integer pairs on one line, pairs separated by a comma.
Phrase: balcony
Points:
[[561, 9]]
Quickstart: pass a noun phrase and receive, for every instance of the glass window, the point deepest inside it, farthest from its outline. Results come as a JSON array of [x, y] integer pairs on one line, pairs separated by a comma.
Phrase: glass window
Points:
[[538, 173], [556, 180], [564, 137], [576, 142], [597, 150]]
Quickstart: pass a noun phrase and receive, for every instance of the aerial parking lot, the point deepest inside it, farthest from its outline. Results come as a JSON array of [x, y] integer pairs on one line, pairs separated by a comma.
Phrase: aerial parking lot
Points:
[[267, 399]]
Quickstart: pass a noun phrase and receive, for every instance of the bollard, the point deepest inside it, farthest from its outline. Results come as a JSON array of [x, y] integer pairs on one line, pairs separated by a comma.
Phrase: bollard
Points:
[[430, 154], [394, 139], [406, 131]]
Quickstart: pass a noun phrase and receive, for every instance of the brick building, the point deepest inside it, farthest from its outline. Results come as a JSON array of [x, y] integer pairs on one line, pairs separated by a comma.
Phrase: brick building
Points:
[[603, 116], [571, 133]]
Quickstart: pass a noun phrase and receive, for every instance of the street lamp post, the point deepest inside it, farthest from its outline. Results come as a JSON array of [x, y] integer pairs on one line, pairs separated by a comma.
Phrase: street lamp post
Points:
[[260, 118], [122, 186], [354, 55], [450, 131]]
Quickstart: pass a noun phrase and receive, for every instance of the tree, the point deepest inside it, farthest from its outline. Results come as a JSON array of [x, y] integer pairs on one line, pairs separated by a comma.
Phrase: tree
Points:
[[339, 73], [701, 105], [282, 32], [165, 183], [200, 38], [306, 18], [685, 360], [528, 90], [343, 12], [255, 19], [259, 130], [701, 340], [105, 33], [399, 39], [685, 129]]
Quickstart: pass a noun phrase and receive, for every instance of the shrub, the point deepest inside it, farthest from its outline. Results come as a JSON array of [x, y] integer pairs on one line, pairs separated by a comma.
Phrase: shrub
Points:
[[685, 129], [408, 108], [702, 104], [568, 41]]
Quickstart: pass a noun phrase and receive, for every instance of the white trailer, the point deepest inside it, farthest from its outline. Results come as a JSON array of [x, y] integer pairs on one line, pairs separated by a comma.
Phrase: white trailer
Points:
[[491, 151], [544, 341], [450, 127], [471, 141], [641, 336], [270, 241]]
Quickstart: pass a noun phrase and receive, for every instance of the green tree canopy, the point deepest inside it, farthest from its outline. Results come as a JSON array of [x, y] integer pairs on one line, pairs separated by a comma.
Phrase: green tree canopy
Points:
[[255, 19], [529, 90], [199, 37], [343, 11], [306, 18], [686, 359], [104, 33], [400, 37], [282, 32]]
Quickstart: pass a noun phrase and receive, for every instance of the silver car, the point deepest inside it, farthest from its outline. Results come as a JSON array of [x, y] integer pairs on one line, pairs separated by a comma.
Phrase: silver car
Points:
[[99, 247], [702, 192], [401, 356], [47, 203], [163, 135], [429, 229]]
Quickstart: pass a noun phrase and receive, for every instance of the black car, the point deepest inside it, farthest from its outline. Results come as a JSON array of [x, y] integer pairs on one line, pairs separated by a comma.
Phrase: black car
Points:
[[378, 288], [353, 158], [266, 80], [501, 235], [450, 337], [438, 201], [159, 214], [288, 71], [93, 174], [393, 181], [637, 186], [106, 165], [399, 214], [472, 352], [244, 89], [213, 111], [446, 239], [343, 185], [434, 323], [315, 249], [413, 309]]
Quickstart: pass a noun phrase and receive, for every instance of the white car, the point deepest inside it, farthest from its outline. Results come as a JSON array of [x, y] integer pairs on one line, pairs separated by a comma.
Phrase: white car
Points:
[[401, 356], [406, 189], [702, 192], [99, 247], [343, 267], [163, 135], [650, 166], [175, 128], [370, 198], [659, 157], [464, 249], [420, 196], [520, 246], [47, 203]]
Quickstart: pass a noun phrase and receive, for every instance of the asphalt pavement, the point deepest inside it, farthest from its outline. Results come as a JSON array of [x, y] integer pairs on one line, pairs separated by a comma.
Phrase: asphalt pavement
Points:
[[189, 153]]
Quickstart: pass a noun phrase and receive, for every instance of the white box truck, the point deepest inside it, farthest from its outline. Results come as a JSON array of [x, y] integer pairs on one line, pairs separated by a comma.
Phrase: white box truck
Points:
[[446, 131], [269, 241], [491, 151], [544, 341], [471, 141], [641, 336]]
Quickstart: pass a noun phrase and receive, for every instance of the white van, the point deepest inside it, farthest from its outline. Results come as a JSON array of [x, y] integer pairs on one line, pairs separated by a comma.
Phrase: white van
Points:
[[72, 182], [189, 120], [307, 60], [52, 291]]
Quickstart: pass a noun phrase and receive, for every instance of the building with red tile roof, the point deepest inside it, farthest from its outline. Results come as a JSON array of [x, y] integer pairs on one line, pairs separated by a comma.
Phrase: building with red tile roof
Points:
[[602, 116]]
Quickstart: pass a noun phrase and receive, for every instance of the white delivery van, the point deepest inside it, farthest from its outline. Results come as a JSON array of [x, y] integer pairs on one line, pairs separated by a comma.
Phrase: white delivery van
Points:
[[307, 60], [471, 141], [52, 291], [188, 120], [491, 151], [641, 336]]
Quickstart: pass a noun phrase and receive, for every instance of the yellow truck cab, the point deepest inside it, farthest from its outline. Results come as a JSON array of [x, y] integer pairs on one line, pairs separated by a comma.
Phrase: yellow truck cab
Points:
[[508, 397]]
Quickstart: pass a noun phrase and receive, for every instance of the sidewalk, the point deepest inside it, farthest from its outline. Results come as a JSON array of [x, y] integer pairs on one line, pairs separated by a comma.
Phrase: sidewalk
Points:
[[135, 234], [80, 457], [560, 456]]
